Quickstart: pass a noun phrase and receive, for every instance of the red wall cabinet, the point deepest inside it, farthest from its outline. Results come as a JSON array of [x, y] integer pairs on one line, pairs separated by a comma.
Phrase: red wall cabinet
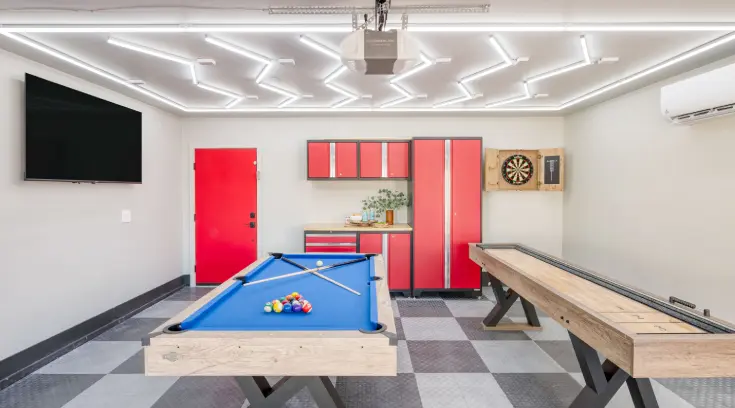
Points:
[[446, 213], [318, 158], [316, 242], [398, 159], [345, 160], [353, 159]]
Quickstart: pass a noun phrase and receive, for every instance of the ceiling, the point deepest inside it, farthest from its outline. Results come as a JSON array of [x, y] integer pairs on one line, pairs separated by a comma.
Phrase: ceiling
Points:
[[548, 42]]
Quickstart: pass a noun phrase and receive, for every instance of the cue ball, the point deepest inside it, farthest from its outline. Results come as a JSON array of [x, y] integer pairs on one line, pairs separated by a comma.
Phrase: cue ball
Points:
[[319, 263]]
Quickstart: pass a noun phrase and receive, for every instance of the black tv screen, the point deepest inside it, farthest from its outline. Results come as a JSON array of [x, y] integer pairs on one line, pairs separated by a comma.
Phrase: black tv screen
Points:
[[73, 136]]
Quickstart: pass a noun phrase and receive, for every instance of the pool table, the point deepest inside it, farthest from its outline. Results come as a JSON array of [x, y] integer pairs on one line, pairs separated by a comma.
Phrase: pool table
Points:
[[228, 332]]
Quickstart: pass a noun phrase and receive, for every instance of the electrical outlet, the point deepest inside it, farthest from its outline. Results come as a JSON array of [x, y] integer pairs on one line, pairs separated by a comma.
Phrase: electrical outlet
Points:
[[127, 216]]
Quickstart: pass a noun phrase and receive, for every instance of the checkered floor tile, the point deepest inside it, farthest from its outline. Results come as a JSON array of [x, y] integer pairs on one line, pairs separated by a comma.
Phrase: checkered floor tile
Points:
[[445, 360]]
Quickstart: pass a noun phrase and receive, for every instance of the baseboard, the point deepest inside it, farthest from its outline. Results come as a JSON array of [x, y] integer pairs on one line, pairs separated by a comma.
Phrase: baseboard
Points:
[[31, 359]]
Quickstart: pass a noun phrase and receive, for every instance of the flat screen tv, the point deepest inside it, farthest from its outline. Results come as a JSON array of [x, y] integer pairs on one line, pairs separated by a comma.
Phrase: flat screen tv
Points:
[[73, 136]]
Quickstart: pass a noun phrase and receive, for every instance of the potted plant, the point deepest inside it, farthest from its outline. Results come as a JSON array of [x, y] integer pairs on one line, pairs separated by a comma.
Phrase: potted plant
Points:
[[387, 202]]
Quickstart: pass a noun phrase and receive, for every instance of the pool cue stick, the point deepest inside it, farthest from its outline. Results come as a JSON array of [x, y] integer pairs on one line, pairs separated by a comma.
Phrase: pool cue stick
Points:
[[335, 282], [288, 275], [352, 261]]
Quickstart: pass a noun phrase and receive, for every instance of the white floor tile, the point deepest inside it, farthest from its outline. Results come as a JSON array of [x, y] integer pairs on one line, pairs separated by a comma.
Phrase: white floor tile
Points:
[[94, 357], [513, 356], [123, 391], [467, 390], [432, 328]]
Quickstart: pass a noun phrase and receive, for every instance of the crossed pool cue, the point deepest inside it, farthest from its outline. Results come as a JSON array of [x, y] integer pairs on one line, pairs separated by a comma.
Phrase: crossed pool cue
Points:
[[313, 271]]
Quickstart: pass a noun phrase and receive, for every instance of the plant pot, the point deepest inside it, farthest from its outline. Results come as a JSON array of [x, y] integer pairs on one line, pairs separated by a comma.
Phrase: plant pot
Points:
[[389, 217]]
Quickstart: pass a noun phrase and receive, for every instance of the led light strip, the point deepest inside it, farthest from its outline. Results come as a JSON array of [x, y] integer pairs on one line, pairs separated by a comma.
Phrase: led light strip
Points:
[[425, 63], [507, 62], [87, 67], [320, 47], [571, 67], [335, 74], [149, 51], [347, 28], [467, 96], [114, 78], [269, 62]]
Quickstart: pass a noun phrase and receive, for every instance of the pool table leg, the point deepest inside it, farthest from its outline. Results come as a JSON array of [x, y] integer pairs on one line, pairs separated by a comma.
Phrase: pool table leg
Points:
[[261, 395]]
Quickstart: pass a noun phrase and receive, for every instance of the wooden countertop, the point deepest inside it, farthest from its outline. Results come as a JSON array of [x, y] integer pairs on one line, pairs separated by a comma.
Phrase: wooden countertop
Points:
[[336, 227]]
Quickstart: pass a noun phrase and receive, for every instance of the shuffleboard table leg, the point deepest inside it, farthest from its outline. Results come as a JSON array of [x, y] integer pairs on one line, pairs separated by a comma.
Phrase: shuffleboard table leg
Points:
[[603, 380], [505, 300], [261, 395]]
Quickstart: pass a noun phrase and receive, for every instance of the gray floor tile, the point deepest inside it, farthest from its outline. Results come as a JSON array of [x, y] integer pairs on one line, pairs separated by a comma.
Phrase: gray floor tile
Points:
[[562, 352], [46, 390], [551, 330], [423, 308], [445, 357], [94, 357], [469, 390], [404, 358], [539, 390], [379, 392], [133, 365], [432, 328], [123, 391], [164, 309], [191, 294], [472, 327], [399, 330], [515, 357], [202, 392], [131, 330], [469, 307], [704, 392]]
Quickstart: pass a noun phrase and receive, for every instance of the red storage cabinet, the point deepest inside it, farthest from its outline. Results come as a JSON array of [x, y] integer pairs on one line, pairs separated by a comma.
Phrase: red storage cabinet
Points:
[[371, 243], [318, 159], [428, 214], [399, 262], [371, 160], [398, 159], [316, 242], [446, 213], [345, 159]]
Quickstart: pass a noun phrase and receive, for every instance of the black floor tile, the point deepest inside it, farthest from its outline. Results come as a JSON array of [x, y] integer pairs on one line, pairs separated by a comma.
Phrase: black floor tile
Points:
[[423, 308], [401, 335], [133, 365], [46, 390], [445, 357], [202, 392], [379, 392], [704, 392], [472, 326], [539, 390], [189, 293]]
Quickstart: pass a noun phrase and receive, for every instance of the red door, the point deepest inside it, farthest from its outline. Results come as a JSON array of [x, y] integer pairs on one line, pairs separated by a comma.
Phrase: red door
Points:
[[428, 213], [371, 160], [466, 223], [225, 197], [397, 160], [318, 159], [371, 244], [345, 159], [399, 261]]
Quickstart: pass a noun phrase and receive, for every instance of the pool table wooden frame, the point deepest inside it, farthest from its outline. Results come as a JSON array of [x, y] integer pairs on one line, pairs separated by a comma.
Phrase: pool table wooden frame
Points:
[[278, 353]]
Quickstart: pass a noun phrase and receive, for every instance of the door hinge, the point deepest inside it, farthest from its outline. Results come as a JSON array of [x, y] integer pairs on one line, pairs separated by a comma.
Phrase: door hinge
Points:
[[195, 269], [195, 217], [194, 166]]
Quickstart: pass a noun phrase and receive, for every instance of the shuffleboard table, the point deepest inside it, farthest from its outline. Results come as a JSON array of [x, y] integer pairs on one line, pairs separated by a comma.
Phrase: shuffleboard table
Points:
[[229, 333], [641, 335]]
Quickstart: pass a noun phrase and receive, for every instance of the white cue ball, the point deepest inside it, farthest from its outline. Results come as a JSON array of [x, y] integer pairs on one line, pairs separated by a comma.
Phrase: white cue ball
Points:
[[319, 263]]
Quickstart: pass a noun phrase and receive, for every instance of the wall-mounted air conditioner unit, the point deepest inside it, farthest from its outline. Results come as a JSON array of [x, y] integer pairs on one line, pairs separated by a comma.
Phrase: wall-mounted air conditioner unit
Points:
[[700, 97]]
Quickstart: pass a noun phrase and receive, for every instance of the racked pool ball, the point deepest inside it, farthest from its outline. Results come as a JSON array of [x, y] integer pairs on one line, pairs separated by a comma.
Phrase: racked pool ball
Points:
[[277, 307], [268, 307], [296, 308], [287, 308], [306, 308]]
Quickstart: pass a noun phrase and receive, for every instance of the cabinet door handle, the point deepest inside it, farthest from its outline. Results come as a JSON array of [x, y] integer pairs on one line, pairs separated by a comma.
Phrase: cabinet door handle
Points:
[[252, 225]]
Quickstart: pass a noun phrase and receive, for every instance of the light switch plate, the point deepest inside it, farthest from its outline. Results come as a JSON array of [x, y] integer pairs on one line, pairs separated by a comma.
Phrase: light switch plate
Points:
[[127, 216]]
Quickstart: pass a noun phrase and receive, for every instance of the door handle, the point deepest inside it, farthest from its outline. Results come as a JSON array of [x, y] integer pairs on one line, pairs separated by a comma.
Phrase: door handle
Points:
[[252, 224], [252, 215]]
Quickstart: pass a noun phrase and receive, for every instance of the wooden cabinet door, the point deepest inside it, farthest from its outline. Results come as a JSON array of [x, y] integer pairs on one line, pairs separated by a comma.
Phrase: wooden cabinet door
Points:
[[398, 159], [371, 160], [466, 222], [428, 213], [399, 262], [318, 159], [345, 159]]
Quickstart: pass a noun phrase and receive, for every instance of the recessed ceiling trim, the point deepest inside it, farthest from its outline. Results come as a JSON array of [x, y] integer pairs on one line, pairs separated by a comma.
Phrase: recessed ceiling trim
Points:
[[347, 27]]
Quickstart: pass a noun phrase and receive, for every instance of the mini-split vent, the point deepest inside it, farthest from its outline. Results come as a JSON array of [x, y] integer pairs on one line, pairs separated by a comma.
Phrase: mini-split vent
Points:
[[701, 97]]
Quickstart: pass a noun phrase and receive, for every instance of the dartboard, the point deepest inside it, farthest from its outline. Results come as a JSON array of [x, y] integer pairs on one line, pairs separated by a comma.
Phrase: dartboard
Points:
[[517, 169]]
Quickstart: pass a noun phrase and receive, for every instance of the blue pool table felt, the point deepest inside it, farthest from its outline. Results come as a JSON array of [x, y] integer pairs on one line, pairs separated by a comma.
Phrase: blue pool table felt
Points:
[[241, 307]]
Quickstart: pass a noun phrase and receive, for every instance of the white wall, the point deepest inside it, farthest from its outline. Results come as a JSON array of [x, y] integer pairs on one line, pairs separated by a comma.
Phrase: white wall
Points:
[[65, 256], [651, 204], [288, 200]]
